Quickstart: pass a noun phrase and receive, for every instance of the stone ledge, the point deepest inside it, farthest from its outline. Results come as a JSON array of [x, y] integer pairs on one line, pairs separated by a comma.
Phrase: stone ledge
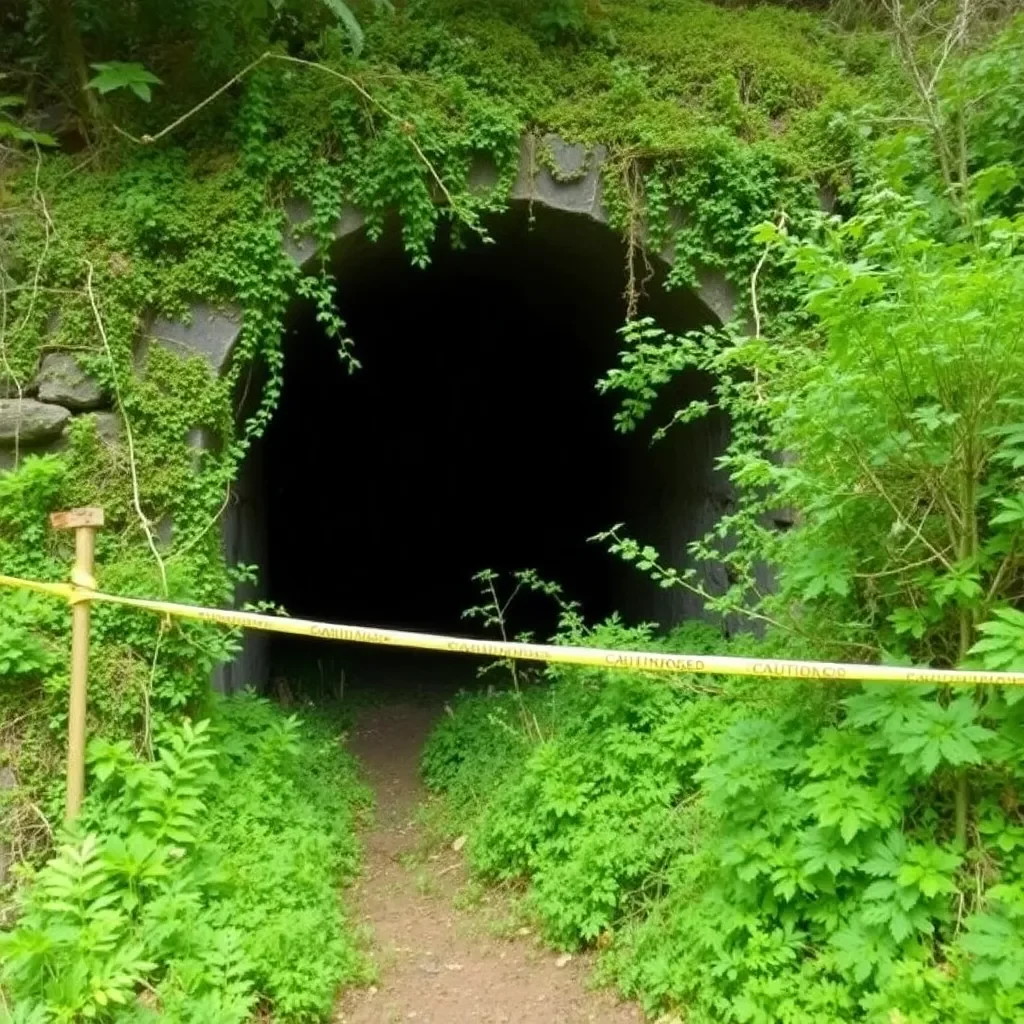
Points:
[[572, 185], [301, 246], [210, 332], [62, 381], [27, 421]]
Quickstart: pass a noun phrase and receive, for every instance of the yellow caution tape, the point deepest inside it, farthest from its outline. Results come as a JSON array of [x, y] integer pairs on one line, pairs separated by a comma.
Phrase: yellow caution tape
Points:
[[648, 661], [63, 590]]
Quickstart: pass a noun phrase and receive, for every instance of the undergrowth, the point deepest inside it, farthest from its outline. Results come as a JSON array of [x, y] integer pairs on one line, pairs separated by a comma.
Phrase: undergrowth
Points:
[[742, 853], [749, 851], [195, 885]]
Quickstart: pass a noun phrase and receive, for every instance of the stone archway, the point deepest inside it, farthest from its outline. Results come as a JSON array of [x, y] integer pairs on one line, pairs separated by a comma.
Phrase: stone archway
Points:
[[570, 182], [566, 183], [684, 466]]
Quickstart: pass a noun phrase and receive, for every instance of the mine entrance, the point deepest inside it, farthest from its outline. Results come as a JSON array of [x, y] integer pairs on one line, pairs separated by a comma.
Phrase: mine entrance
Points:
[[472, 437]]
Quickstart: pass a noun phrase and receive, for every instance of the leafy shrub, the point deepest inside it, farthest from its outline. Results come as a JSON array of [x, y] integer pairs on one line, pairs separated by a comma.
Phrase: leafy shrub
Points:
[[474, 748], [754, 852], [131, 692], [197, 883], [828, 885], [838, 854]]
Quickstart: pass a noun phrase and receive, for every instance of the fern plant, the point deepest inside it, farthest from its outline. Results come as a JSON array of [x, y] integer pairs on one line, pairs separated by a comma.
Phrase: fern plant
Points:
[[196, 882]]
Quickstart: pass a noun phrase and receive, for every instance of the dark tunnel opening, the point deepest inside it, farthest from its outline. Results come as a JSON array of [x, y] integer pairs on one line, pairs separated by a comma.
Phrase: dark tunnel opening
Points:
[[472, 437]]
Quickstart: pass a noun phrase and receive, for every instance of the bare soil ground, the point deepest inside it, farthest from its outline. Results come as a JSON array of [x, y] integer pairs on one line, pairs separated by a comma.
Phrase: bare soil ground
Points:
[[439, 964]]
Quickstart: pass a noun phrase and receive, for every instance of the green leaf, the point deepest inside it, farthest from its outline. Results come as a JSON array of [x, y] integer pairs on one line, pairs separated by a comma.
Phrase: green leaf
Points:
[[118, 74], [765, 233], [343, 13], [994, 180], [10, 130], [1013, 511]]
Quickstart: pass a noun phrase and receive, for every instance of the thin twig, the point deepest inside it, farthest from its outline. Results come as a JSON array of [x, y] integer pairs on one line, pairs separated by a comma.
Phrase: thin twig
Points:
[[196, 538], [884, 494], [779, 225], [147, 721], [894, 572], [407, 126], [148, 140], [137, 501], [48, 231], [636, 244], [129, 436], [42, 817]]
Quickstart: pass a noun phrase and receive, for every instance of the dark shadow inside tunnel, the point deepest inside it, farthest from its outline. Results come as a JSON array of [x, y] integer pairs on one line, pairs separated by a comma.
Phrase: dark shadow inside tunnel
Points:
[[472, 437]]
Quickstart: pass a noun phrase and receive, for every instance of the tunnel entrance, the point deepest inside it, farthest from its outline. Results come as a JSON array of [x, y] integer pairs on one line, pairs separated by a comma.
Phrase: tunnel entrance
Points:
[[472, 437]]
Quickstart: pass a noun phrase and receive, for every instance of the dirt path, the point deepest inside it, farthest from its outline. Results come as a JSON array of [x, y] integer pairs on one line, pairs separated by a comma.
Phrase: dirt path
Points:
[[440, 965]]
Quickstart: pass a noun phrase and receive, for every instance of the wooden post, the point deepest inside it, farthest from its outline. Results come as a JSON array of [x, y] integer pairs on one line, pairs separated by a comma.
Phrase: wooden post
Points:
[[85, 522]]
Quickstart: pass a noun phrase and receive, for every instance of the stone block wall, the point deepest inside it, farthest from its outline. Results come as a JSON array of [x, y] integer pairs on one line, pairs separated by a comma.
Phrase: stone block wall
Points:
[[37, 421]]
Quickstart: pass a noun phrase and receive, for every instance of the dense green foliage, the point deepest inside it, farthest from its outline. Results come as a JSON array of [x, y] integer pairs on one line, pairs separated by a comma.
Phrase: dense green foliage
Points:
[[196, 884], [721, 113], [131, 694], [199, 215]]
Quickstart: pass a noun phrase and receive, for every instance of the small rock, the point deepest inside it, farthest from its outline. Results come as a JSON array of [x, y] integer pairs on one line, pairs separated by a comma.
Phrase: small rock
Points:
[[459, 843], [29, 421], [164, 530], [523, 931], [563, 959], [200, 439], [454, 967], [8, 780], [149, 999], [62, 381]]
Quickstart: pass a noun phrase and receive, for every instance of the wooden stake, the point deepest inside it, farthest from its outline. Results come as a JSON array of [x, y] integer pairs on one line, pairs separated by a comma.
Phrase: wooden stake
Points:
[[85, 522]]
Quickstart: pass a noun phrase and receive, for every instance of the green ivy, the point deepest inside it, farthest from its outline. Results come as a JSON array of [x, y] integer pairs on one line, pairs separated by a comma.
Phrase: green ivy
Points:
[[724, 115]]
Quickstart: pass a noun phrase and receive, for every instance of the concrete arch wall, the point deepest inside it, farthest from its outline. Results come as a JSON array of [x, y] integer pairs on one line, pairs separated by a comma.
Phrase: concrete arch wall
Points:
[[683, 464], [567, 179]]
